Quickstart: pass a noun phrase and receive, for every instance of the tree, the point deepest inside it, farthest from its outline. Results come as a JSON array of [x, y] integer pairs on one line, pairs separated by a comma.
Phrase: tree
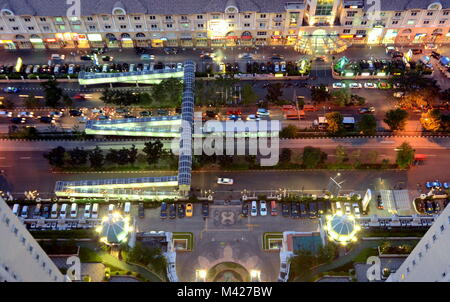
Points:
[[396, 119], [289, 131], [96, 158], [418, 98], [341, 154], [248, 95], [302, 262], [132, 154], [285, 155], [320, 94], [312, 157], [372, 156], [168, 93], [112, 156], [31, 101], [78, 157], [334, 120], [445, 122], [405, 155], [67, 100], [431, 120], [357, 100], [145, 99], [368, 124], [327, 253], [153, 151], [274, 92], [53, 93], [56, 156], [122, 156], [341, 97]]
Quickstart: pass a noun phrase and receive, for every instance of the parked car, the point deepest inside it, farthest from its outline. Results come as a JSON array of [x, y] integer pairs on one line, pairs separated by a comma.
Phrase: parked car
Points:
[[320, 208], [163, 212], [429, 207], [366, 110], [302, 210], [285, 209], [348, 209], [11, 89], [172, 211], [181, 210], [127, 208], [355, 85], [380, 204], [312, 210], [338, 85], [254, 211], [370, 85], [294, 210], [356, 210], [189, 210], [205, 209], [263, 208], [141, 210], [87, 210], [244, 211], [273, 208], [94, 210]]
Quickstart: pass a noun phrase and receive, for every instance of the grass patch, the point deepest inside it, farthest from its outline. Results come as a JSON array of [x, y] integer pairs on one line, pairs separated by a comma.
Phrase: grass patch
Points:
[[89, 256], [387, 233], [365, 253]]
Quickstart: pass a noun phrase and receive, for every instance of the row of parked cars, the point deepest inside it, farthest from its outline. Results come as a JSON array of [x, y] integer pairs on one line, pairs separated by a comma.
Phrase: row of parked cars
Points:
[[125, 67], [437, 185], [63, 211], [56, 69], [430, 207], [180, 210]]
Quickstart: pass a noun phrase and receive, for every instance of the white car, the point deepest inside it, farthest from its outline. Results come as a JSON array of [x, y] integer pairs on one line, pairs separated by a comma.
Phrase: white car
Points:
[[254, 209], [356, 210], [338, 85], [370, 85], [348, 209], [263, 208], [355, 85], [225, 181], [179, 65]]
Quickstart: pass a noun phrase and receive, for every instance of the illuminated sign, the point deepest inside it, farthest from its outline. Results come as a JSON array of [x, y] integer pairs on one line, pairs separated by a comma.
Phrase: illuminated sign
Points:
[[6, 41], [218, 27], [94, 37], [50, 40], [346, 36], [82, 37], [36, 40], [18, 64]]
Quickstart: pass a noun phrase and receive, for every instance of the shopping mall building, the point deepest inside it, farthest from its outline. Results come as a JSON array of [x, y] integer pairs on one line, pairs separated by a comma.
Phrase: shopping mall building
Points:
[[304, 24]]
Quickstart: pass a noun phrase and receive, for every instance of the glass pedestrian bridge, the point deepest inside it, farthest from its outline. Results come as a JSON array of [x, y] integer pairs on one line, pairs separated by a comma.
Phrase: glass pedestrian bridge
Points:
[[142, 77], [129, 188]]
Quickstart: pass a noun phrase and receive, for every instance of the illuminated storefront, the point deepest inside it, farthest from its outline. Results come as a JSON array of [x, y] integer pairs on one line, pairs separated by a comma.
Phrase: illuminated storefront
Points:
[[276, 38], [201, 40], [83, 41], [246, 39], [112, 41], [67, 40], [171, 40], [419, 38], [231, 39], [8, 44], [126, 41], [157, 40], [52, 43], [22, 43], [390, 36], [291, 38], [37, 42], [186, 40], [375, 35], [95, 40]]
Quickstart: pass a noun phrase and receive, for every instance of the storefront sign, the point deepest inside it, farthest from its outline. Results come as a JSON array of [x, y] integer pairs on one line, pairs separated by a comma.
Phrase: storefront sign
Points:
[[50, 40], [36, 40], [346, 36], [94, 37]]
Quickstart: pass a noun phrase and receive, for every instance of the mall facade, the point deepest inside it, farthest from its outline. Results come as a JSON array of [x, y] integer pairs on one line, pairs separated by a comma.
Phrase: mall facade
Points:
[[43, 24]]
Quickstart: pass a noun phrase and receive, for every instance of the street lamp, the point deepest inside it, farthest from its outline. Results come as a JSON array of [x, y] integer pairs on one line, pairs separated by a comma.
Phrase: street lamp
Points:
[[255, 275], [200, 275]]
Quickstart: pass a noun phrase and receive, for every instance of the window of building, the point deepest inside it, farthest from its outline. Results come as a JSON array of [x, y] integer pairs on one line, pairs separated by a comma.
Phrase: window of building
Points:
[[15, 28], [37, 257], [90, 18], [351, 14], [277, 24], [442, 228], [123, 26], [361, 32], [324, 7], [152, 17], [215, 16], [363, 22], [105, 18], [27, 19], [426, 22], [12, 20], [168, 17], [411, 22], [154, 26], [93, 27], [137, 18], [262, 16], [43, 19], [395, 22], [346, 31], [30, 27], [398, 14], [414, 262], [200, 25], [231, 25], [261, 33], [138, 26], [184, 18], [262, 25], [434, 237], [442, 21], [427, 246], [246, 24], [121, 18], [46, 28], [420, 254], [59, 19], [199, 17], [169, 25], [445, 13], [348, 22], [413, 13], [230, 16], [429, 13], [107, 26], [247, 16], [279, 16], [22, 240]]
